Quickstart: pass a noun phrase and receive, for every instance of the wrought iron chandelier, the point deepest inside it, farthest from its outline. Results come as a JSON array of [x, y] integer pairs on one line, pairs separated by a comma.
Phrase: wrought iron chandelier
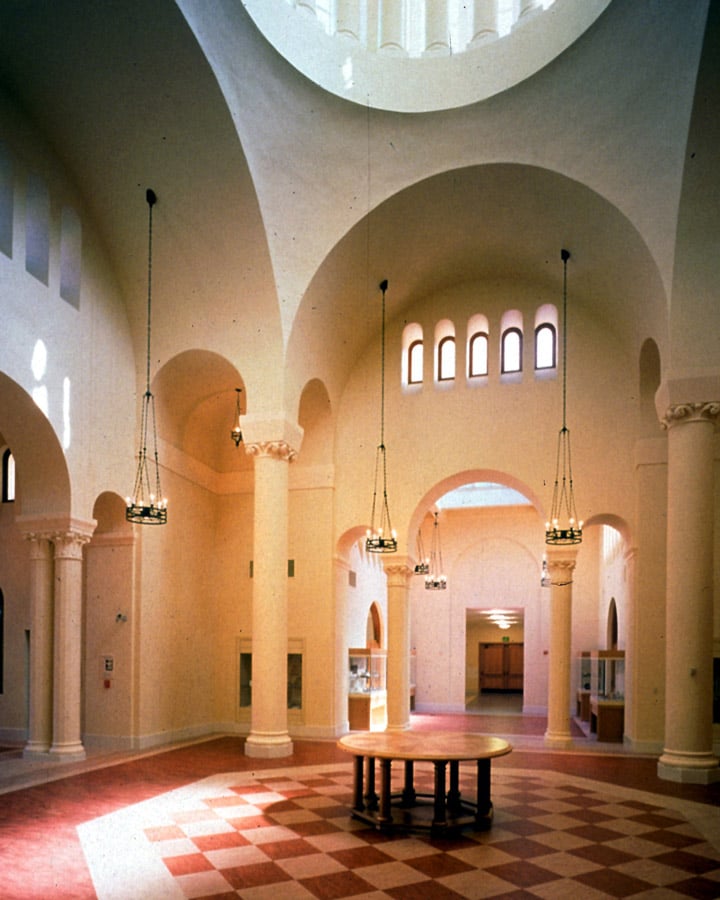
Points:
[[381, 537], [564, 526], [435, 579], [423, 566], [147, 506], [236, 432]]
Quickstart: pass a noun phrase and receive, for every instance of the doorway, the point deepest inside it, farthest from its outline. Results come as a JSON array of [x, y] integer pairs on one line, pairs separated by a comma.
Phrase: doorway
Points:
[[495, 660]]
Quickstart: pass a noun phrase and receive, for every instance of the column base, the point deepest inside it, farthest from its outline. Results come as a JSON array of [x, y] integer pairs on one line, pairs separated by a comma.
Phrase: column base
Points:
[[268, 746], [67, 752], [558, 740], [35, 750], [688, 768]]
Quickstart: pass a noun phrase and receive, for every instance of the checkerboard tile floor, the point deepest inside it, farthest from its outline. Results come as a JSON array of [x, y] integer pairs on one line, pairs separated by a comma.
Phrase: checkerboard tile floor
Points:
[[288, 834]]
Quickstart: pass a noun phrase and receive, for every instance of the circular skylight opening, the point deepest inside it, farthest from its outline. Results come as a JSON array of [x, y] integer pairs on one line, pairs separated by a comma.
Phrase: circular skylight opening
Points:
[[421, 55]]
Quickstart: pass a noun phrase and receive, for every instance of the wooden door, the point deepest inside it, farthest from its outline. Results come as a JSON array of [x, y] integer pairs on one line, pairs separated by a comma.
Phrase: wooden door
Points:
[[514, 666], [500, 667], [491, 666]]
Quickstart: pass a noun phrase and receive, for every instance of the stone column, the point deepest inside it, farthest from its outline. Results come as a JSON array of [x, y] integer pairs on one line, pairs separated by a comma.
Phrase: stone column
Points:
[[484, 21], [41, 647], [561, 564], [688, 756], [66, 743], [269, 735], [437, 27], [347, 18], [398, 575], [391, 35]]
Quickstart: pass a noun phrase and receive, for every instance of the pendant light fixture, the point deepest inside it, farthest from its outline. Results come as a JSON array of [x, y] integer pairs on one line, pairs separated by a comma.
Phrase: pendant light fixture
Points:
[[236, 433], [381, 537], [423, 566], [147, 506], [435, 579], [564, 526]]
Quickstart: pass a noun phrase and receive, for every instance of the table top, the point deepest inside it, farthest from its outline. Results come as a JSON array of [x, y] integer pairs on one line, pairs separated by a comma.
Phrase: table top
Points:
[[424, 745]]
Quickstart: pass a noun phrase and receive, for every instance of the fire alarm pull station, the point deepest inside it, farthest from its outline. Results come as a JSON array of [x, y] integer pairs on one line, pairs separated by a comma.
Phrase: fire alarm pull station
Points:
[[108, 667]]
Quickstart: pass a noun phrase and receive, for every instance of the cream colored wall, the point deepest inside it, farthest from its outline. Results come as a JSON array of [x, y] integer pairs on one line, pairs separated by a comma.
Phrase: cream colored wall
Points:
[[433, 434], [15, 586], [178, 622], [109, 712], [232, 604], [89, 346]]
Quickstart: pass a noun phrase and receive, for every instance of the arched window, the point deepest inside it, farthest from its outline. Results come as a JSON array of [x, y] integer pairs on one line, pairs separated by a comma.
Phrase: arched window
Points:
[[415, 362], [545, 346], [446, 359], [8, 476], [478, 355], [511, 353]]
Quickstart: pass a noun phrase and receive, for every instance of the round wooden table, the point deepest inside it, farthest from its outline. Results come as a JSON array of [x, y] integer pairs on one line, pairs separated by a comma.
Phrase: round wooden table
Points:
[[442, 812]]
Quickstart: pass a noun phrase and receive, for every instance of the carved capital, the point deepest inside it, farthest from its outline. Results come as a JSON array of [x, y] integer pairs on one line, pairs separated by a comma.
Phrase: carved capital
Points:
[[560, 571], [398, 573], [69, 544], [681, 413], [39, 544], [275, 449]]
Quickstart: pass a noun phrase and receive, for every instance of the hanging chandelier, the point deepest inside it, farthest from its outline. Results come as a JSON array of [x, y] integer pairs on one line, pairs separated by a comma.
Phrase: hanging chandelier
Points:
[[564, 526], [236, 432], [381, 537], [423, 567], [435, 579], [147, 506]]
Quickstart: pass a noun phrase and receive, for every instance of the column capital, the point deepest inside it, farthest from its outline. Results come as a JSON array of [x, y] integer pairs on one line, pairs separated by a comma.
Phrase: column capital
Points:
[[69, 544], [279, 450], [52, 528], [398, 571], [561, 564], [274, 436], [683, 413]]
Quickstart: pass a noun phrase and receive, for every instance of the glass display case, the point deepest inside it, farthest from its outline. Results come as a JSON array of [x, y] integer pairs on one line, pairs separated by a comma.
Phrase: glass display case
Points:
[[583, 688], [607, 694], [367, 694]]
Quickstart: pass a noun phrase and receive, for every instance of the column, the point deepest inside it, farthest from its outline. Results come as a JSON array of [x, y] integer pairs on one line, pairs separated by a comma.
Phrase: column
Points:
[[347, 18], [41, 647], [437, 27], [67, 658], [269, 735], [484, 21], [390, 30], [687, 756], [561, 563], [398, 575]]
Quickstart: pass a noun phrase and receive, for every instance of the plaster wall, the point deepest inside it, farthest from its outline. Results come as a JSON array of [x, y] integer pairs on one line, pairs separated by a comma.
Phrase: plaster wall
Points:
[[506, 426], [84, 410], [15, 587]]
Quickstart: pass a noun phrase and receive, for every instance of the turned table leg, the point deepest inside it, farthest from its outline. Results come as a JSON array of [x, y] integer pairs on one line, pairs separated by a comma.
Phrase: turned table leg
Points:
[[484, 806], [371, 798], [440, 812], [408, 794], [358, 803], [384, 813], [453, 797]]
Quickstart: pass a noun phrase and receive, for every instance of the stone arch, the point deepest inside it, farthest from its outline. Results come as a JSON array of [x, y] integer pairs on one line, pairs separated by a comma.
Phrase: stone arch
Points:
[[43, 479]]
